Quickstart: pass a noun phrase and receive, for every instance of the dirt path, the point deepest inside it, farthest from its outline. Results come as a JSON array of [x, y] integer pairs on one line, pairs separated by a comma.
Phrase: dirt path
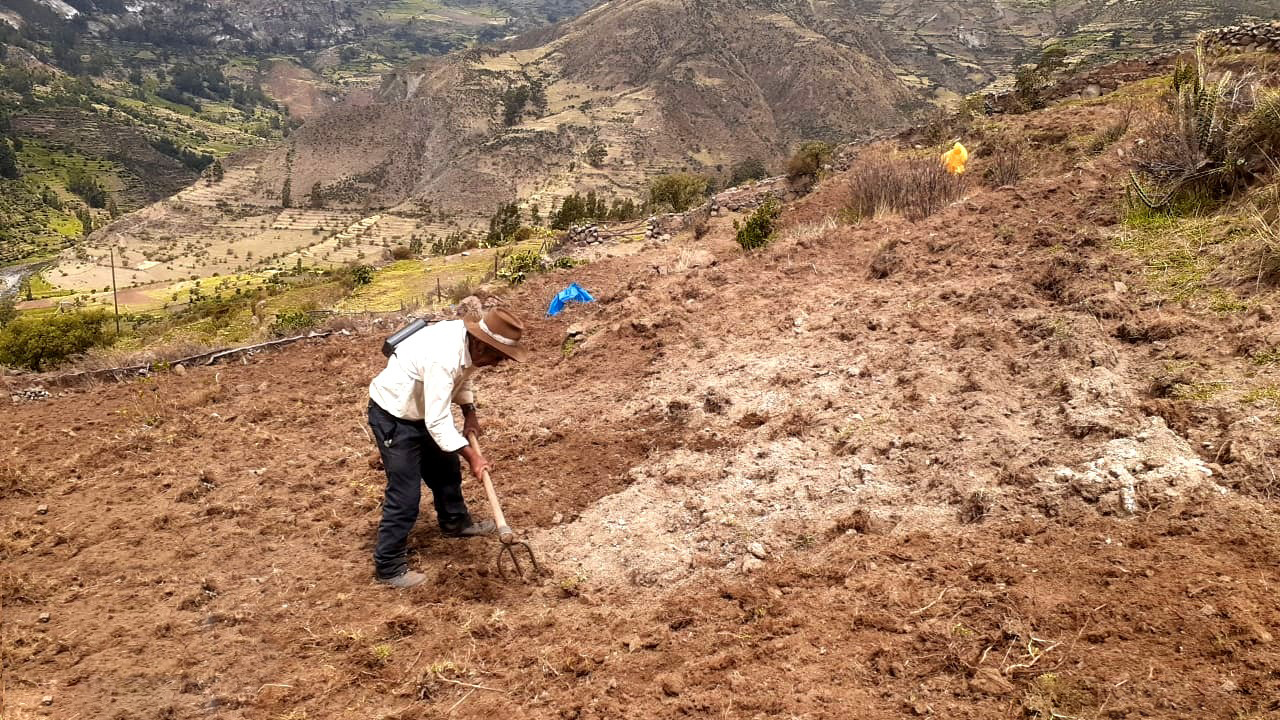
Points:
[[779, 485]]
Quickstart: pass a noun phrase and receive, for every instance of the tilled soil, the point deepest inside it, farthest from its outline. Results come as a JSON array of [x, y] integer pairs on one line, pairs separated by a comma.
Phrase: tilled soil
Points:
[[836, 478]]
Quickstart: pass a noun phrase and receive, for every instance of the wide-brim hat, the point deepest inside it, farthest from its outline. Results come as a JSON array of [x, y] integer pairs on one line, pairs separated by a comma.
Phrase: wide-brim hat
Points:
[[500, 330]]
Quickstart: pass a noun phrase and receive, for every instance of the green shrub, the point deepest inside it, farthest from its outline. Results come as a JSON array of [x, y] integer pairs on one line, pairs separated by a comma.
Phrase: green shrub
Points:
[[40, 343], [757, 231], [451, 244], [809, 159], [677, 192], [292, 321], [519, 266], [354, 275]]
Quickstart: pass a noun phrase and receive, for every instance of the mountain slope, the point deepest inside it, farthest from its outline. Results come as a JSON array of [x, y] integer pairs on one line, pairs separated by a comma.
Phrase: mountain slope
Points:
[[671, 84], [663, 84]]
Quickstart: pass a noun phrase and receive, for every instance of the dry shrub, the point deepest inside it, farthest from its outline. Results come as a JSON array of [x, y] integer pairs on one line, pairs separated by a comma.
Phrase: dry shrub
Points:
[[1266, 252], [886, 261], [887, 182], [976, 507], [461, 289], [1108, 135], [698, 221], [111, 358], [1006, 167], [807, 234]]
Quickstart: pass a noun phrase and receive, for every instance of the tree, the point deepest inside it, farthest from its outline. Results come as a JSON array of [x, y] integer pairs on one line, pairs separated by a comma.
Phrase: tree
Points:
[[86, 221], [513, 102], [38, 343], [677, 192], [286, 194], [747, 170], [596, 154], [8, 310], [503, 225], [86, 186], [316, 200], [8, 162], [809, 159], [112, 209], [216, 172], [50, 198], [535, 215]]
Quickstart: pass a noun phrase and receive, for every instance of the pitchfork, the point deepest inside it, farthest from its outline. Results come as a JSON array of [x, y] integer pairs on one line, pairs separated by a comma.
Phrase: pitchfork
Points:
[[507, 553]]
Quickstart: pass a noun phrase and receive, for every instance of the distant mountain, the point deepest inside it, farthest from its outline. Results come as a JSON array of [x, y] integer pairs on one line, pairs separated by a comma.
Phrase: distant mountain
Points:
[[699, 84], [256, 25]]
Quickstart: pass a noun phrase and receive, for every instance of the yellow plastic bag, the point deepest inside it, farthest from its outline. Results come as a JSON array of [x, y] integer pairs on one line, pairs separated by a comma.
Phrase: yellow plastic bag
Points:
[[955, 159]]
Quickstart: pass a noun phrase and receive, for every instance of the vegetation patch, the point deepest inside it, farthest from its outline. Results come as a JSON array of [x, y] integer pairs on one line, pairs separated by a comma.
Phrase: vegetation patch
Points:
[[887, 182], [758, 229]]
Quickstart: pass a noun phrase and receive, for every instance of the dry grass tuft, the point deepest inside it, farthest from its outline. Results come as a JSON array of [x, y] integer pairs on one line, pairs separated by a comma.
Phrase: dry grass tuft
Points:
[[886, 261], [887, 182]]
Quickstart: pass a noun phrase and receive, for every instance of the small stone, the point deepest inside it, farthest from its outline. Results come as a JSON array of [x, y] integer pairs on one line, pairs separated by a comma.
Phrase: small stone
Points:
[[44, 617], [1120, 287], [46, 700], [756, 549], [179, 370], [751, 564], [557, 518], [576, 331], [671, 684], [989, 681], [42, 509]]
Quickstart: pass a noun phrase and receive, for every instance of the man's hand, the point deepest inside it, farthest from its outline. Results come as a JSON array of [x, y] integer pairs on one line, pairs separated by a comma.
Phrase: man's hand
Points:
[[477, 462]]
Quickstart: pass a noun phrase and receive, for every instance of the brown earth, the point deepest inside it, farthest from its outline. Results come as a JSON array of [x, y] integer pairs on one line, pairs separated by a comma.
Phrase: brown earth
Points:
[[927, 439]]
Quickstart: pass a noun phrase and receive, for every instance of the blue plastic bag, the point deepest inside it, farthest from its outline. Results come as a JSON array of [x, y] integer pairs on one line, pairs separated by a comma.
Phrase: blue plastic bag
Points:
[[573, 293]]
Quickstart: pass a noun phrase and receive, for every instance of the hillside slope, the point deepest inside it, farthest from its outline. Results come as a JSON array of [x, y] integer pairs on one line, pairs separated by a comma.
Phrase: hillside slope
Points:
[[672, 84], [662, 84], [886, 470]]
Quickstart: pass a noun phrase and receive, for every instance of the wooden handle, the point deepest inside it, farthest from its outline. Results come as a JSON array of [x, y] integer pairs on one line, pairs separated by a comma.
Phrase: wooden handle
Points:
[[504, 532]]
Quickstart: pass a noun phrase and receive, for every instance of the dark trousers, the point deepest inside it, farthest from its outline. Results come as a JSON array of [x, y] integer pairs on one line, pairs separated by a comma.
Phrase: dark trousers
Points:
[[410, 457]]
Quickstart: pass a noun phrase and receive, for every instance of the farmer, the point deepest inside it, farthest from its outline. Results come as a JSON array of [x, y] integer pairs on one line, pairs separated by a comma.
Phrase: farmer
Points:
[[412, 420]]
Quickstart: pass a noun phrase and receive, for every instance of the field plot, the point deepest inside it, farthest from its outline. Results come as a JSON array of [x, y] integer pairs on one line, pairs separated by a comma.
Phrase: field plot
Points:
[[208, 230]]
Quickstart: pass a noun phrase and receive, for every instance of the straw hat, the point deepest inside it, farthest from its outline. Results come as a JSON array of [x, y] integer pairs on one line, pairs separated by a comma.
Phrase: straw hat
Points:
[[500, 330]]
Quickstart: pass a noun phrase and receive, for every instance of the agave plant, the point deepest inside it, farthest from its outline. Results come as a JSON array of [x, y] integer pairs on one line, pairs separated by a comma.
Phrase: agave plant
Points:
[[1214, 139]]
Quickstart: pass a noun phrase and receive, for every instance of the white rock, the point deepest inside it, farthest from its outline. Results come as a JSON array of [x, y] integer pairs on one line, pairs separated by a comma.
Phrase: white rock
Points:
[[751, 564], [757, 549]]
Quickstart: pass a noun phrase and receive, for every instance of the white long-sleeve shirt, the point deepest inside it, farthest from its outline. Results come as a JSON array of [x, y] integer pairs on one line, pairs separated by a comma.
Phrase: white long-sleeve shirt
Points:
[[428, 370]]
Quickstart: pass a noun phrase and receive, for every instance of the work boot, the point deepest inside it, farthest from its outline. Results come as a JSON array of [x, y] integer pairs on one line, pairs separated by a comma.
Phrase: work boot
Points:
[[475, 529], [405, 580]]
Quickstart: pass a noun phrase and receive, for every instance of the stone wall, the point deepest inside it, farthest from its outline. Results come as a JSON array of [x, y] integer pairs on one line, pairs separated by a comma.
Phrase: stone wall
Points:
[[1256, 37]]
